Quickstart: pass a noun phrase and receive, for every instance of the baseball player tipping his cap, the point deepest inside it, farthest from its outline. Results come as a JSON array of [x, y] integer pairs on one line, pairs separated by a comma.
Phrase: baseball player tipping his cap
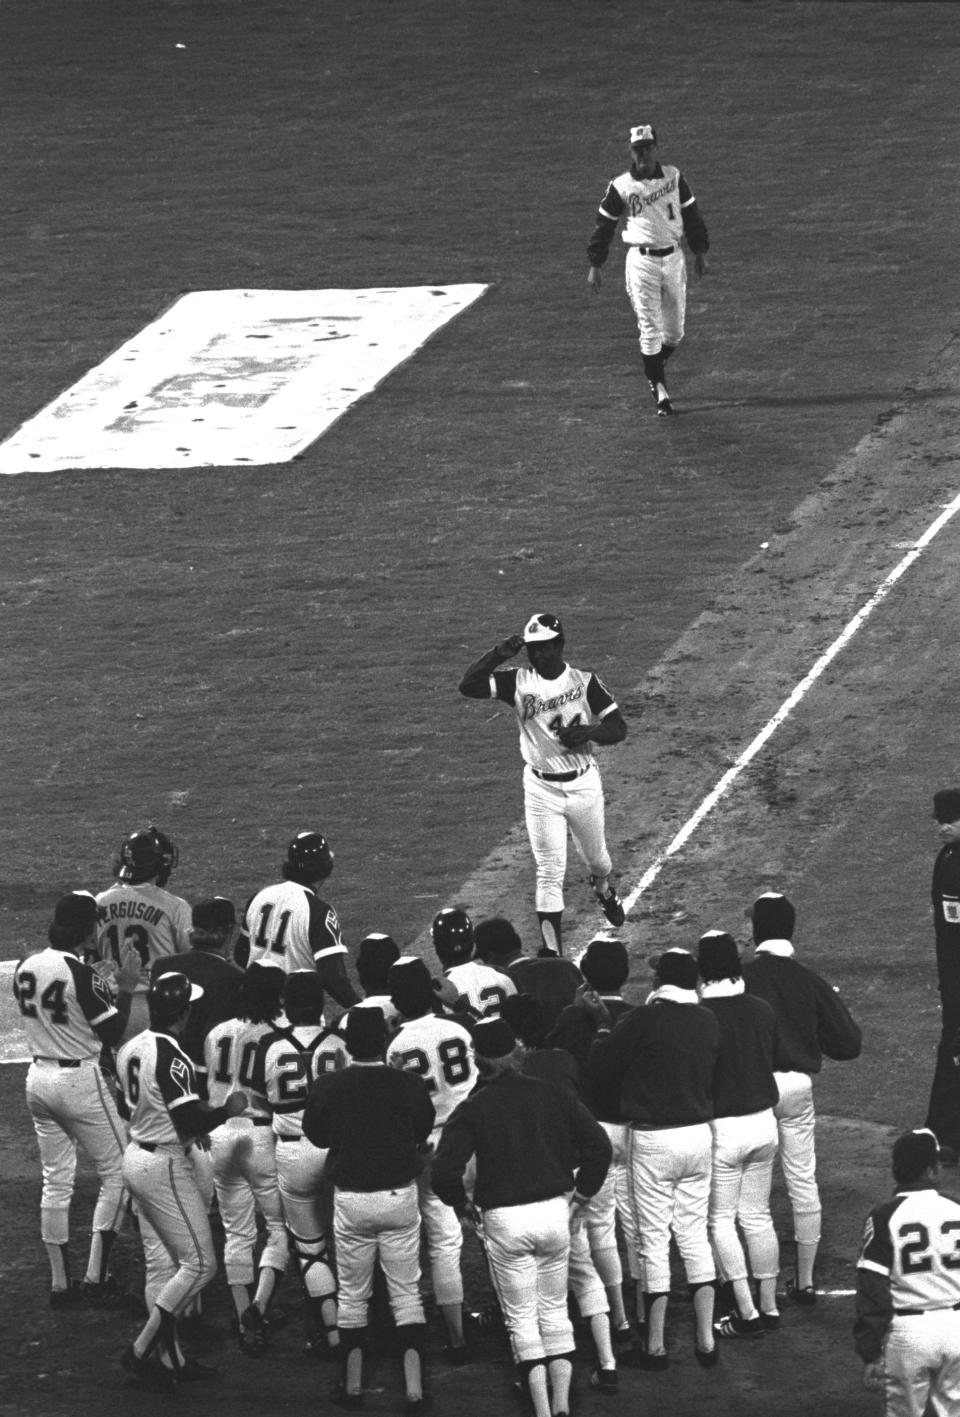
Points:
[[561, 712], [658, 210]]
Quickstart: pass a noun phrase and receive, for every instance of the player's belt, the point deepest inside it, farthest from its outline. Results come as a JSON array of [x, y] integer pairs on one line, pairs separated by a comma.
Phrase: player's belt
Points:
[[655, 250], [59, 1062], [560, 776], [912, 1313]]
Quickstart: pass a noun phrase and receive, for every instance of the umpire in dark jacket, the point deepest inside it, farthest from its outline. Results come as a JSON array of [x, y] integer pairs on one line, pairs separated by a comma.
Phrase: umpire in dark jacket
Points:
[[206, 963], [943, 1112], [376, 1122], [540, 1156], [812, 1022]]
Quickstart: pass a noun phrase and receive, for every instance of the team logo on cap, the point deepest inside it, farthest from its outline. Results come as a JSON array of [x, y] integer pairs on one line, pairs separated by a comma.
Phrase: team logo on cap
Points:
[[540, 628], [642, 133]]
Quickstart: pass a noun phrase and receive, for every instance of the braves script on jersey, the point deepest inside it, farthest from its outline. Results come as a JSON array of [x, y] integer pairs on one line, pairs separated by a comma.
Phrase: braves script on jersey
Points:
[[544, 706], [156, 1078], [651, 207], [289, 925], [61, 1001]]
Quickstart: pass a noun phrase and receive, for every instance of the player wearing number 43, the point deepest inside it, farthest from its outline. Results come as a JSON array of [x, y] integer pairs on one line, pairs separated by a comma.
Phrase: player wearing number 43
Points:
[[68, 1014], [561, 712], [658, 210], [288, 924], [138, 910], [908, 1288]]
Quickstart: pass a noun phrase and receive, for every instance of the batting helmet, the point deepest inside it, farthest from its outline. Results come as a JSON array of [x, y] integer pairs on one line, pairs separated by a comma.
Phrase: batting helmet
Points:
[[145, 856], [309, 855], [169, 995], [452, 935]]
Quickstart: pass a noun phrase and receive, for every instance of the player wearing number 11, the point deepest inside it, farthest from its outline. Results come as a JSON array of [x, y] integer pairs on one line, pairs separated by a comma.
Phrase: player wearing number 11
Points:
[[290, 925], [561, 713]]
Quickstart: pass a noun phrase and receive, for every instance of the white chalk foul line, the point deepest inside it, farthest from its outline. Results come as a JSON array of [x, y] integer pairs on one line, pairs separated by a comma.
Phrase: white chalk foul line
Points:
[[788, 705]]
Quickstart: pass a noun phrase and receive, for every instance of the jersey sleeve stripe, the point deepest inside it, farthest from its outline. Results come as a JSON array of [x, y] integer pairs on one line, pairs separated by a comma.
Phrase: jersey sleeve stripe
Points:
[[325, 950], [874, 1267]]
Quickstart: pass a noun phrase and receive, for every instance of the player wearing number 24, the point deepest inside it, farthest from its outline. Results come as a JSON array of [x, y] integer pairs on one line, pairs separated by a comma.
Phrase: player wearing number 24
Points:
[[561, 712], [908, 1288]]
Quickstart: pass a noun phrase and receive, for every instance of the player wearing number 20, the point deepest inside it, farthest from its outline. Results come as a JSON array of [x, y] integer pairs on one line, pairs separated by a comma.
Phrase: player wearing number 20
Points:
[[907, 1327], [439, 1050], [138, 910], [288, 924]]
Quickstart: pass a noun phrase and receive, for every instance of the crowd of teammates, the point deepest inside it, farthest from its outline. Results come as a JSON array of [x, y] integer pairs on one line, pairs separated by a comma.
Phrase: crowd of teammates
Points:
[[203, 1057]]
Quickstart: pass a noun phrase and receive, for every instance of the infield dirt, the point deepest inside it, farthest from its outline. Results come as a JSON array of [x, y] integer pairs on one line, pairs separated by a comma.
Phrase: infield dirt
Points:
[[240, 654]]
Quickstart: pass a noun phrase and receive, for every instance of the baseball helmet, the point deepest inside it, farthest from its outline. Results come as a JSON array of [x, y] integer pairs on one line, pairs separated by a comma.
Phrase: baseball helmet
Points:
[[452, 935], [169, 995], [146, 855], [541, 628], [310, 855]]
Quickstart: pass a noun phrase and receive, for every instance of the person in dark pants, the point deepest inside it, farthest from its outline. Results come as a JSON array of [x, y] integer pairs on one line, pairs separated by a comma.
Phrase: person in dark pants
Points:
[[943, 1112]]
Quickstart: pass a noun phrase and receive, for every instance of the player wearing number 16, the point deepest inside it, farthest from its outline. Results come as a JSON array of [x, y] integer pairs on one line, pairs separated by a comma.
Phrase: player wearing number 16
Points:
[[138, 910], [561, 713], [290, 925]]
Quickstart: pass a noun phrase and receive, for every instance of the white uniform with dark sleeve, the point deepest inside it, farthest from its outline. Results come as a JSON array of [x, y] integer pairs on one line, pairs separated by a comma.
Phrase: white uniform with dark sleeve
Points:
[[156, 1078], [61, 1001], [484, 988], [289, 925], [908, 1301], [155, 921], [562, 789]]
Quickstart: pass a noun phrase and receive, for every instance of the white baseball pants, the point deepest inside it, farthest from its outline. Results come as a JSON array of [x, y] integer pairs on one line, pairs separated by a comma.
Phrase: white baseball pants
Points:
[[71, 1107], [796, 1125], [600, 1212], [743, 1153], [921, 1359], [657, 287], [245, 1176], [368, 1223], [551, 810], [670, 1174], [299, 1175], [444, 1241], [528, 1248], [172, 1213]]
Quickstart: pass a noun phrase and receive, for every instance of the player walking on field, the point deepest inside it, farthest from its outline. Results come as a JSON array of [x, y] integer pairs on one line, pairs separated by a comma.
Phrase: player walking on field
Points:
[[68, 1015], [907, 1329], [561, 712], [658, 210]]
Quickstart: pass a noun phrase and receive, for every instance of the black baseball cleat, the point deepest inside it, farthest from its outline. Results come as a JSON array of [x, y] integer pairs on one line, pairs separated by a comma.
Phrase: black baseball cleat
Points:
[[107, 1295], [707, 1357], [610, 903], [805, 1297], [733, 1326], [192, 1371], [151, 1375], [604, 1379], [664, 406], [70, 1298]]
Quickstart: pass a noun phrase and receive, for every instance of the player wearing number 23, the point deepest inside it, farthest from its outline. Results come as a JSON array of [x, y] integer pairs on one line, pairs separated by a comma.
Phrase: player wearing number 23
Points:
[[907, 1328], [561, 712], [290, 925]]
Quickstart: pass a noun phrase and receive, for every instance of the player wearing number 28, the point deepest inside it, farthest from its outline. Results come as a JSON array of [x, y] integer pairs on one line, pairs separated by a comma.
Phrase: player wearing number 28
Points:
[[907, 1328], [68, 1014], [562, 712], [290, 925], [138, 910], [658, 210]]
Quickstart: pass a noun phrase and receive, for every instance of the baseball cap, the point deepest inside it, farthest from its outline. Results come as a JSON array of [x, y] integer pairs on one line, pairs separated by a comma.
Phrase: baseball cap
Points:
[[946, 805], [493, 1038], [365, 1033], [678, 967], [217, 913], [718, 956], [773, 916], [540, 628], [74, 916], [605, 963], [643, 133], [303, 989]]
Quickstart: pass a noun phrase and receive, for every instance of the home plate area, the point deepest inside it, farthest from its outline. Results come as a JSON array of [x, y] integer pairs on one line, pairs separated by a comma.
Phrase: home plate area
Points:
[[228, 377]]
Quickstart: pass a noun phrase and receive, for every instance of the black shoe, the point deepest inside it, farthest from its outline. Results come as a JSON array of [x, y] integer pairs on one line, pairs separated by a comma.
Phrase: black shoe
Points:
[[610, 904], [70, 1298], [605, 1379], [351, 1401], [806, 1297], [624, 1334], [190, 1371], [771, 1322], [415, 1406], [253, 1332], [664, 406], [707, 1357], [153, 1376], [489, 1319], [458, 1355], [733, 1326], [647, 1362]]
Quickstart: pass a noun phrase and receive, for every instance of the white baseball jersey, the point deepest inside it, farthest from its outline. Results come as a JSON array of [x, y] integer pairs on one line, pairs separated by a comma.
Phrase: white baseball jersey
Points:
[[483, 987], [651, 207], [441, 1052], [289, 1063], [60, 1001], [544, 706], [155, 921], [288, 924], [914, 1241], [156, 1077], [230, 1053]]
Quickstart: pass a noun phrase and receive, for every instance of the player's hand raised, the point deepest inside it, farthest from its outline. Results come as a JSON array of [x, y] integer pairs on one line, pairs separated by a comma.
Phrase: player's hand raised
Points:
[[594, 279], [130, 973], [513, 644]]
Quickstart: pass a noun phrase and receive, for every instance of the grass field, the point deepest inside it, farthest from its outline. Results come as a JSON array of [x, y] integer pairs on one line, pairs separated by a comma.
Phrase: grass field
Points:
[[239, 654]]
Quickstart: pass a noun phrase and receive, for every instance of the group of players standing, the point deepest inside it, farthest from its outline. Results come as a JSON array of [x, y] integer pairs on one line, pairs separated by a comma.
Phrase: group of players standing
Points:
[[515, 1095]]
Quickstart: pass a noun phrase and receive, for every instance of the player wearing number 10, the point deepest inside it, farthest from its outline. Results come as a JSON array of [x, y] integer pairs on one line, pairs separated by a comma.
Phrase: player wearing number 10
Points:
[[139, 911], [288, 924]]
